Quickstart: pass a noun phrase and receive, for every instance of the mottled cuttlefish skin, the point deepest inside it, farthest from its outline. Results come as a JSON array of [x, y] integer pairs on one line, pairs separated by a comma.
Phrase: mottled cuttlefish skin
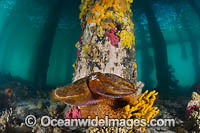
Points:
[[110, 85], [94, 88]]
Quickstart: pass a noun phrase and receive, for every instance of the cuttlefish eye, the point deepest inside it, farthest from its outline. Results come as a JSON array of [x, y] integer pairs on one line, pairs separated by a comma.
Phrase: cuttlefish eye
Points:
[[94, 77]]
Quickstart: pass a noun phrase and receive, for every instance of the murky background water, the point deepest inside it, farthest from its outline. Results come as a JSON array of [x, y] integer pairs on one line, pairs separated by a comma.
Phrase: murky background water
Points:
[[24, 26]]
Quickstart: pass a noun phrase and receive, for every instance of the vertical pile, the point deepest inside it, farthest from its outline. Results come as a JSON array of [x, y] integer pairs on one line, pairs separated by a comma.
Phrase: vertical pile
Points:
[[107, 41], [106, 52]]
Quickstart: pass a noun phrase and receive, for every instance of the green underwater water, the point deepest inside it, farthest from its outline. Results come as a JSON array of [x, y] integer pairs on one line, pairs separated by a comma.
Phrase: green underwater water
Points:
[[20, 29]]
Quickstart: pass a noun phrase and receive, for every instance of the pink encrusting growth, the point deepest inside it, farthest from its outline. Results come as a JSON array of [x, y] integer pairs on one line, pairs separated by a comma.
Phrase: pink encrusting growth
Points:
[[190, 109], [80, 42], [78, 52], [112, 37], [73, 113]]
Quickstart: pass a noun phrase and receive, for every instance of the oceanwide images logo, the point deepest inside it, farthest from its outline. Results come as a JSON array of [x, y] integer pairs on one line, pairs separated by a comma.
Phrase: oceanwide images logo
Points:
[[46, 121]]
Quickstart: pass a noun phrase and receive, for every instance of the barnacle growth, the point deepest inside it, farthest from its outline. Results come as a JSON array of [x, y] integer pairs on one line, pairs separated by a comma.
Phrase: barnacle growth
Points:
[[109, 14], [107, 42]]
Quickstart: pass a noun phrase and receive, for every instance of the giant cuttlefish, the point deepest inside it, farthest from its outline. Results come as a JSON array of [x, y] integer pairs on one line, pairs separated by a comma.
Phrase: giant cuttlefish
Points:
[[98, 90]]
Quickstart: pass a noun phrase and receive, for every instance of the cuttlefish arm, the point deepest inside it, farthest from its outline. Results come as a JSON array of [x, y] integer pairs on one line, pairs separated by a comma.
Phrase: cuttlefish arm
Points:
[[110, 85], [76, 93]]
